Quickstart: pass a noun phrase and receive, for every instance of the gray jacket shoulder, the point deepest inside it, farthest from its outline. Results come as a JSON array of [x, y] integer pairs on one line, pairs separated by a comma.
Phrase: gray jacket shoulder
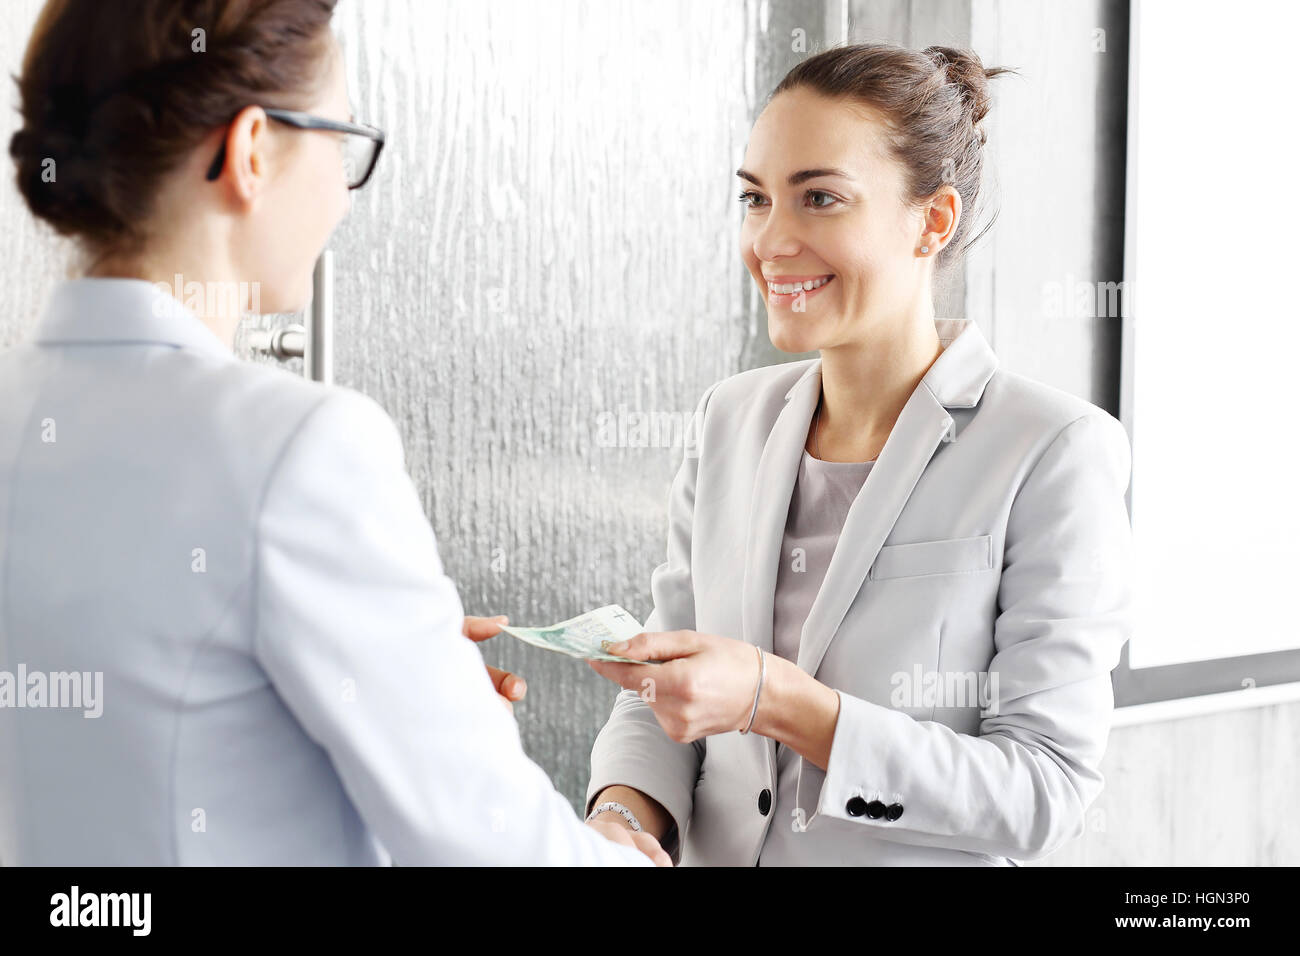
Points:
[[1038, 404], [764, 386], [1039, 407]]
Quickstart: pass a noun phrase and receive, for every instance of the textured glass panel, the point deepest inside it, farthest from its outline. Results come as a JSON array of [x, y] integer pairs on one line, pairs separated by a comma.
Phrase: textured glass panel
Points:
[[550, 237], [548, 248], [33, 258]]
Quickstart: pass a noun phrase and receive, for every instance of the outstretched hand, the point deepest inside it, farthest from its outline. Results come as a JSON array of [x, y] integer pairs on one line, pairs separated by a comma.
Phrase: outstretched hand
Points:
[[510, 687], [705, 685]]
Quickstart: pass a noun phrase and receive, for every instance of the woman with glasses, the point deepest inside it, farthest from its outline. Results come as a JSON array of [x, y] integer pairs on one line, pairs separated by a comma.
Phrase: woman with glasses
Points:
[[271, 666], [361, 144]]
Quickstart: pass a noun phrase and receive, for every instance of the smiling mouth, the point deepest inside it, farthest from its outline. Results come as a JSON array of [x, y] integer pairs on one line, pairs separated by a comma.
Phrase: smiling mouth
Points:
[[793, 286]]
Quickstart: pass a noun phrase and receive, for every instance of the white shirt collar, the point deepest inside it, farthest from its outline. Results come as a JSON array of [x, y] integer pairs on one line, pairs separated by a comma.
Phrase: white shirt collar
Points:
[[124, 311]]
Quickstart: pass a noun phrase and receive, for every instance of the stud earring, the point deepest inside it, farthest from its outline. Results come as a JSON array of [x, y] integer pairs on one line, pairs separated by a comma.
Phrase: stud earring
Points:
[[925, 248]]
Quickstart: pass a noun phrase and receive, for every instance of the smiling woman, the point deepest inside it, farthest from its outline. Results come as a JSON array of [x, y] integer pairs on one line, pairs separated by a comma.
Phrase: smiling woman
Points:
[[869, 161], [904, 506]]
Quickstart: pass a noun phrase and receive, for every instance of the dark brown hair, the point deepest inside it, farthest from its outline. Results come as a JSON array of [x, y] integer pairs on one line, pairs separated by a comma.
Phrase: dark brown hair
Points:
[[933, 101], [118, 93]]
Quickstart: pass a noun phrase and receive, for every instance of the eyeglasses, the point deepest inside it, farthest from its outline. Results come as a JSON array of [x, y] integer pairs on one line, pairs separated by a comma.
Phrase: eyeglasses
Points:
[[361, 147]]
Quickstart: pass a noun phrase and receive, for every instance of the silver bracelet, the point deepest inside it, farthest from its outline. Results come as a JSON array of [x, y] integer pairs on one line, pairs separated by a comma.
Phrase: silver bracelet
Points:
[[627, 814], [762, 673]]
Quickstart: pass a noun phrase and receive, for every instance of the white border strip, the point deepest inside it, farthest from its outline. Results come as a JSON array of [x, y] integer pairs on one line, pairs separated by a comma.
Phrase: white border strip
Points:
[[1206, 704]]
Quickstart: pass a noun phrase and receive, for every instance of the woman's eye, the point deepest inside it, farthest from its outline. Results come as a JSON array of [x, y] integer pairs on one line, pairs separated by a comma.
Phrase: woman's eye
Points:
[[820, 200], [750, 198]]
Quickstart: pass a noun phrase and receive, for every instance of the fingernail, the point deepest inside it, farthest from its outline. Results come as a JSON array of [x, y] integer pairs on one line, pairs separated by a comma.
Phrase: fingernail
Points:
[[618, 648], [501, 617]]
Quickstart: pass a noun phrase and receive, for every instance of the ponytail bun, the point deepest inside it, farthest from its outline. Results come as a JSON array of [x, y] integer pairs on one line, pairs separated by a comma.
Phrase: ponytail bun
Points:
[[963, 69]]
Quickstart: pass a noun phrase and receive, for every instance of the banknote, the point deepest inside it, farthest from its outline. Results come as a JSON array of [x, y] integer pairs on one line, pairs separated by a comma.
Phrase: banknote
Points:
[[584, 636]]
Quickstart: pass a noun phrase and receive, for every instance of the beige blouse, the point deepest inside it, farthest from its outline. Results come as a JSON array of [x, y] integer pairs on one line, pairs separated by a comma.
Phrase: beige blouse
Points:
[[823, 493]]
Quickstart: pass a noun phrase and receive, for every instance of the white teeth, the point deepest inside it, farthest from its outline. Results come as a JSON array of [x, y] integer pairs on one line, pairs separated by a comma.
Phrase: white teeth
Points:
[[789, 288]]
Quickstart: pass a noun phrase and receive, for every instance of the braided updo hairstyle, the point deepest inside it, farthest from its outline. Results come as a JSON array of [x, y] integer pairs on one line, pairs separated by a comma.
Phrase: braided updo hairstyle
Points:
[[116, 95], [934, 101]]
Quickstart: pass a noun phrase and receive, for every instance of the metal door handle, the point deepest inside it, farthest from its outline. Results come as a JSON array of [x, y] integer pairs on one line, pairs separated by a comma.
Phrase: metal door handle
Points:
[[318, 362], [285, 343], [313, 343]]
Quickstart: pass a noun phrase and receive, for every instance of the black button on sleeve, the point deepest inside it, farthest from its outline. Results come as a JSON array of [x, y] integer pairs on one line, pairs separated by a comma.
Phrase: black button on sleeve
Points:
[[875, 809], [765, 802], [893, 812], [856, 806]]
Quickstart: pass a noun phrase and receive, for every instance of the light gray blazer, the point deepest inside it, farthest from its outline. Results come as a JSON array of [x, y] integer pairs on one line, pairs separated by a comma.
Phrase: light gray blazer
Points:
[[989, 551], [241, 555]]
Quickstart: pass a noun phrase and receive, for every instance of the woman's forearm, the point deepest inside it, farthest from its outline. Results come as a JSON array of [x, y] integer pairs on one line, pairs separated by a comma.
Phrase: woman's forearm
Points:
[[653, 817], [798, 710]]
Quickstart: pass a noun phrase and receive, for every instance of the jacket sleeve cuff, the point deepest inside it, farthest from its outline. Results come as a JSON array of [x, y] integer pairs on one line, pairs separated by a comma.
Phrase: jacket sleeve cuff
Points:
[[922, 783], [632, 750], [860, 770]]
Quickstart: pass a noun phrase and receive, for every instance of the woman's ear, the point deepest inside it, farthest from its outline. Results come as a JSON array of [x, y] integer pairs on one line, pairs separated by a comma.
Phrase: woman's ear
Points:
[[940, 218], [247, 150]]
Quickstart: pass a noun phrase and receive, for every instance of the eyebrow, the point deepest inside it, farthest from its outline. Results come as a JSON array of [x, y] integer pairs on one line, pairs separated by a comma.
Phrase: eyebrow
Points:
[[796, 178]]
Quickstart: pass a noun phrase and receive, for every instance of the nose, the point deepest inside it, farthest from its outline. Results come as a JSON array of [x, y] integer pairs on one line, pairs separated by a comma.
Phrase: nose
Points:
[[777, 236]]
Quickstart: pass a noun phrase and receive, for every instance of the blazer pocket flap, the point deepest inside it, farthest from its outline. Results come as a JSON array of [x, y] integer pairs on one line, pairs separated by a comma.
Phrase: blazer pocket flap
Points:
[[949, 556]]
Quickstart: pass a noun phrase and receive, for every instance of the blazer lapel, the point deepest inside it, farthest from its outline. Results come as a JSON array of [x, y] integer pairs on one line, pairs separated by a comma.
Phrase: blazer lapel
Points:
[[921, 426], [778, 467], [770, 504], [956, 379]]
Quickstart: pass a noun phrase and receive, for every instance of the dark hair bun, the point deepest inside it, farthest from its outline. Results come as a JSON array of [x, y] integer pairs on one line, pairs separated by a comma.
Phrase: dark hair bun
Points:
[[59, 173], [964, 69], [112, 103]]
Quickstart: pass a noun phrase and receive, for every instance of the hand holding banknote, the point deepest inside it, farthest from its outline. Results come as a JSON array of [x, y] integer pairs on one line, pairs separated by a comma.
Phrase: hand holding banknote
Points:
[[585, 637], [703, 684], [510, 687]]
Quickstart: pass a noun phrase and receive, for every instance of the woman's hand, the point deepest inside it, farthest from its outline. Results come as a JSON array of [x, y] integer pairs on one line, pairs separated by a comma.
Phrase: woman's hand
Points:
[[510, 687], [706, 685], [620, 832]]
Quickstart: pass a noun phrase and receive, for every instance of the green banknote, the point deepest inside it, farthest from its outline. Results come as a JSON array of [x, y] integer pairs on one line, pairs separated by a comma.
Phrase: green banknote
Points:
[[584, 636]]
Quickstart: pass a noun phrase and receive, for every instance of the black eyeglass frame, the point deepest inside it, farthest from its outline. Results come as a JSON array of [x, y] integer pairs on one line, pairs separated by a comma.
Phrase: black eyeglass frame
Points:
[[300, 120]]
